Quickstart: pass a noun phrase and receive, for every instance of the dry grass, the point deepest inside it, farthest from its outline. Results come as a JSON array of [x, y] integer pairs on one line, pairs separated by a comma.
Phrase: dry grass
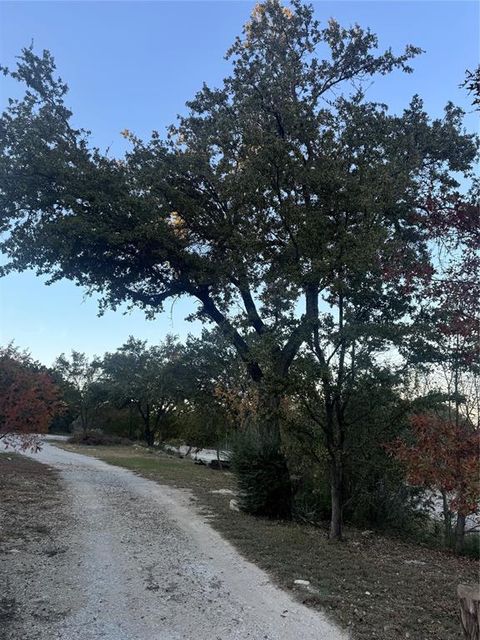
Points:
[[31, 515], [29, 490], [378, 587]]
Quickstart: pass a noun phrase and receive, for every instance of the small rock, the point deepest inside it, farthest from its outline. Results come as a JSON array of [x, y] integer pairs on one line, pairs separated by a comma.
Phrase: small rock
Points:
[[234, 505], [367, 593], [14, 551], [303, 583]]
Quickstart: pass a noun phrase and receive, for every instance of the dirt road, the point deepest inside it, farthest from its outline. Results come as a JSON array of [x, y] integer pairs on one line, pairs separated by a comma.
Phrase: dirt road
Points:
[[133, 561]]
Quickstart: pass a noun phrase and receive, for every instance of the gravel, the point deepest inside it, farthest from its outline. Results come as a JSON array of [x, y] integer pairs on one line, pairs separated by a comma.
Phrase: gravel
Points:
[[132, 560]]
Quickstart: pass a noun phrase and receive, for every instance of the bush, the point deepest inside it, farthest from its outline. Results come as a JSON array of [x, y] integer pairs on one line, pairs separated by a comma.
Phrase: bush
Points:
[[311, 501], [262, 476], [388, 504], [471, 547], [96, 438]]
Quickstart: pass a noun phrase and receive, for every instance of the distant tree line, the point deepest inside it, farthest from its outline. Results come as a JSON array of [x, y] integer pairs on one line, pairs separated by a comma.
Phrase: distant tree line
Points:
[[408, 438]]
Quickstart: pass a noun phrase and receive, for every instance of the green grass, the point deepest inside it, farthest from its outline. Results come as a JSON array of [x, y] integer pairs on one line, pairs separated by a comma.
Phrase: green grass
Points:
[[416, 598], [179, 472]]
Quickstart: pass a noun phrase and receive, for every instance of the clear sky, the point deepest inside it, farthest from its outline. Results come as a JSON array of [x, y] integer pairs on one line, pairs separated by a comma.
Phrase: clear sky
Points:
[[134, 64]]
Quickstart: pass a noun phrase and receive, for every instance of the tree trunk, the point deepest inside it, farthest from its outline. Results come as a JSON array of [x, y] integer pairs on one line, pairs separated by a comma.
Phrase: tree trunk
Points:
[[149, 437], [83, 419], [469, 596], [269, 416], [447, 520], [159, 425], [460, 533], [130, 423], [334, 433], [148, 433], [219, 462], [336, 492]]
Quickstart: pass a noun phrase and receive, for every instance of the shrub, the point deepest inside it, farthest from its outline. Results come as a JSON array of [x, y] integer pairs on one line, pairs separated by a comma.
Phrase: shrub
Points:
[[311, 501], [262, 476], [96, 438], [388, 504], [471, 547]]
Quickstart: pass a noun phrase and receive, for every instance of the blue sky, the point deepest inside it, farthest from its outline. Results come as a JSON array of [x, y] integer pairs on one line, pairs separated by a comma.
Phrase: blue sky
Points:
[[134, 64]]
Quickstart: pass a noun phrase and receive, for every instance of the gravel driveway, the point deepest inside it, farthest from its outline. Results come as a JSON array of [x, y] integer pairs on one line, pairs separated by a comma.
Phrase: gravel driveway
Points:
[[135, 562]]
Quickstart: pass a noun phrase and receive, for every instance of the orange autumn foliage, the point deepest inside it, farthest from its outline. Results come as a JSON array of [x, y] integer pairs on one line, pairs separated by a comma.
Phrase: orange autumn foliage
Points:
[[241, 405], [29, 399], [444, 456]]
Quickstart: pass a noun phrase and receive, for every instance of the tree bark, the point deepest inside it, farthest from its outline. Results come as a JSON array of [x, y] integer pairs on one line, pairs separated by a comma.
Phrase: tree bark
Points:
[[460, 533], [334, 435], [336, 492], [447, 520], [149, 436]]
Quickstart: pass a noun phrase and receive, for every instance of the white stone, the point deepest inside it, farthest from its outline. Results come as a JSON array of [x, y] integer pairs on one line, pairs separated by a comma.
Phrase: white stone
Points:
[[234, 505]]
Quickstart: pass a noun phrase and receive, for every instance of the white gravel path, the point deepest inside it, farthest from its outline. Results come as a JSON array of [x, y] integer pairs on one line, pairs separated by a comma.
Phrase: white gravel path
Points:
[[136, 562]]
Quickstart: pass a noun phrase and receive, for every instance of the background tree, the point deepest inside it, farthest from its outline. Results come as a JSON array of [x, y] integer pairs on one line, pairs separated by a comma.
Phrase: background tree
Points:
[[446, 345], [444, 456], [286, 204], [213, 373], [80, 380], [29, 399], [149, 379]]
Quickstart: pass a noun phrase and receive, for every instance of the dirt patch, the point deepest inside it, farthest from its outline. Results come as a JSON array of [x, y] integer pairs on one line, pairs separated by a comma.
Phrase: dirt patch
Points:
[[32, 512], [378, 587]]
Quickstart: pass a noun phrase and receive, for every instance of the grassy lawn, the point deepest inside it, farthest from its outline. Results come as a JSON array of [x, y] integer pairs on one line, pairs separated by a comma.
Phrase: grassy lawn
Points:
[[376, 586]]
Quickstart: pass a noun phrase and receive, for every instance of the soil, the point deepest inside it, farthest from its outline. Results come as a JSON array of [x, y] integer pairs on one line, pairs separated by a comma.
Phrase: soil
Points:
[[33, 514]]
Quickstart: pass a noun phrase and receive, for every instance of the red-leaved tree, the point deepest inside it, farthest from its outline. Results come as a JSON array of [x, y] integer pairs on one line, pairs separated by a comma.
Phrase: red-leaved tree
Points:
[[444, 457], [29, 400]]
